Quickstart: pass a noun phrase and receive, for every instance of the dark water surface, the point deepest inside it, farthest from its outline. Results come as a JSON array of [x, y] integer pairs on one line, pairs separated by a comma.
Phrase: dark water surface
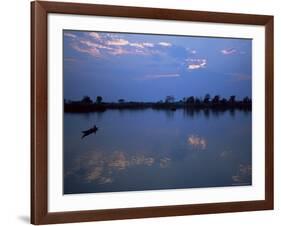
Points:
[[156, 149]]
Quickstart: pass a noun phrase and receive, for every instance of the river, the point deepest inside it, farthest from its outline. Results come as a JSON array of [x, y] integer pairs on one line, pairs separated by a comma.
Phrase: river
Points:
[[135, 150]]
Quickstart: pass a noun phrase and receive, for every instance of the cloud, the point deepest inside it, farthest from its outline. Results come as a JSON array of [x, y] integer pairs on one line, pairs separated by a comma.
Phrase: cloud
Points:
[[139, 45], [91, 51], [95, 35], [95, 45], [193, 64], [111, 35], [232, 51], [165, 44], [100, 44], [191, 51], [243, 77], [159, 76], [142, 45], [229, 51], [118, 42], [70, 59], [118, 51], [70, 35], [148, 44], [240, 76], [197, 142]]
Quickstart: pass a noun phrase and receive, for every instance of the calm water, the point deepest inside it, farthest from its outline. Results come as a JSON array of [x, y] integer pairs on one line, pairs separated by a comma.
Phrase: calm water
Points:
[[150, 149]]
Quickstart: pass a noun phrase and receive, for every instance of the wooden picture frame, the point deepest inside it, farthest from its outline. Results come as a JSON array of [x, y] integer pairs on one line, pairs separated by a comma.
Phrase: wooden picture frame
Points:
[[39, 112]]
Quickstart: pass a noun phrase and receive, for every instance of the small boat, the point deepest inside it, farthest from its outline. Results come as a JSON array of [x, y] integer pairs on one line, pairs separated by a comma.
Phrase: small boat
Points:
[[94, 129], [173, 109]]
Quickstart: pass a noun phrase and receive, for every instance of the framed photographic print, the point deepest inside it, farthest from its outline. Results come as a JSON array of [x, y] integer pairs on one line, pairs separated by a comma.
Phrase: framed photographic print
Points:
[[145, 112]]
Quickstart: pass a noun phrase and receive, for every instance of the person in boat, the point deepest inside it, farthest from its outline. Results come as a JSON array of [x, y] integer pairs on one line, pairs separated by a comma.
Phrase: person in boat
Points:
[[94, 129]]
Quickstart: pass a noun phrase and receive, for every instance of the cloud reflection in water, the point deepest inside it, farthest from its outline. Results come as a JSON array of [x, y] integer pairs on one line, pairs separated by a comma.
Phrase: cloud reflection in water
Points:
[[197, 142], [243, 174], [99, 167], [165, 162]]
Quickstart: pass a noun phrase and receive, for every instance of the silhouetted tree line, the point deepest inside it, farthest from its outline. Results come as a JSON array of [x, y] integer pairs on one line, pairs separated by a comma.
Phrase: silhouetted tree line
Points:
[[86, 104]]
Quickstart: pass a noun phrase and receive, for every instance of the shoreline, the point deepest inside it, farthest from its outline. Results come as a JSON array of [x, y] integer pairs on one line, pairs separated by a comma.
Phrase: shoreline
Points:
[[101, 107]]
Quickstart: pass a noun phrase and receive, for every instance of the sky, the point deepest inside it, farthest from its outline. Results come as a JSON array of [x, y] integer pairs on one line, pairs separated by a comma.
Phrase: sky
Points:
[[149, 67]]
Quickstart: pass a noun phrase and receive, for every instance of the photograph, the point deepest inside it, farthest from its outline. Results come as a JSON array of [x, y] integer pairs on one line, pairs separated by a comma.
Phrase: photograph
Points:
[[146, 112], [155, 111]]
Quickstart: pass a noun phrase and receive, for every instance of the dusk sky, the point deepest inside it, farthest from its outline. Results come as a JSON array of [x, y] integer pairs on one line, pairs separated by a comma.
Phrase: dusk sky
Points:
[[141, 67]]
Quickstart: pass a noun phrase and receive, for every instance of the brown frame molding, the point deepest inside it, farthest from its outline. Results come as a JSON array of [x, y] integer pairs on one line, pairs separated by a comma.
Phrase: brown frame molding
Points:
[[39, 107]]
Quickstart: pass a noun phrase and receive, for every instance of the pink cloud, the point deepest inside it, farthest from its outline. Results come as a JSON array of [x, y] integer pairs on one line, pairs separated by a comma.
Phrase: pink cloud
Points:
[[148, 44], [240, 76], [104, 44], [159, 76], [138, 45], [70, 35], [191, 51], [70, 59], [193, 64], [118, 51], [95, 45], [229, 51], [141, 45], [95, 35], [165, 44], [118, 42], [92, 50]]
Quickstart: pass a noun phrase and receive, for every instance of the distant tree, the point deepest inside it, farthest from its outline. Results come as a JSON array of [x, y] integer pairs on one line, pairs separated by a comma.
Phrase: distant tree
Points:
[[121, 100], [232, 99], [207, 98], [216, 99], [66, 101], [190, 100], [86, 100], [197, 101], [246, 100], [170, 99], [98, 99], [223, 101]]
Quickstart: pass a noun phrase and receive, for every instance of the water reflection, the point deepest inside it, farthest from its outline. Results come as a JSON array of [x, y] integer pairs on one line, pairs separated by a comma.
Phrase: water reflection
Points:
[[169, 113], [243, 175], [98, 166], [226, 154], [165, 162], [197, 142], [153, 149]]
